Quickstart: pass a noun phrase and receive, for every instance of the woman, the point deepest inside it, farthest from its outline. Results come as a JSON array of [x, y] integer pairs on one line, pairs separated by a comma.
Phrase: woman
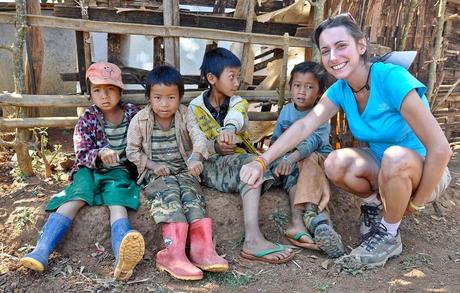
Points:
[[405, 165]]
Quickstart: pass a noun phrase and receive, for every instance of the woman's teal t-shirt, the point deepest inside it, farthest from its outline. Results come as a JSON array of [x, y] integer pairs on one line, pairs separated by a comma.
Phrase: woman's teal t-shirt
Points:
[[381, 124]]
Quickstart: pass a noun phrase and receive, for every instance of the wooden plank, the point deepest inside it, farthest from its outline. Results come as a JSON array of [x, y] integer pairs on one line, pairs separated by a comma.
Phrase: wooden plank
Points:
[[155, 30], [60, 122], [186, 19], [69, 122], [134, 76], [69, 101]]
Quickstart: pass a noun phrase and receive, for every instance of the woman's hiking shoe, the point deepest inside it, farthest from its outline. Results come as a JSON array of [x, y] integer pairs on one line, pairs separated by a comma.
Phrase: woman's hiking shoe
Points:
[[371, 214], [54, 229], [377, 247], [128, 246]]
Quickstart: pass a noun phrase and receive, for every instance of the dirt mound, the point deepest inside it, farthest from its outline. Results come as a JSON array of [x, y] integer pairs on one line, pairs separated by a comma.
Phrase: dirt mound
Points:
[[431, 246]]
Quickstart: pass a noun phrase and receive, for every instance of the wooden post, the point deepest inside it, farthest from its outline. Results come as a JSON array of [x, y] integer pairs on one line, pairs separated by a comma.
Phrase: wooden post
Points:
[[219, 7], [158, 51], [407, 26], [319, 15], [171, 45], [376, 13], [83, 40], [22, 135], [35, 51], [114, 48], [249, 13], [437, 50], [35, 55], [283, 74]]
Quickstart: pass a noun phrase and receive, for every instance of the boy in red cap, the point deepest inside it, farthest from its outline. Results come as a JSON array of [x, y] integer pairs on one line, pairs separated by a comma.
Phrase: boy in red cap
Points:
[[100, 175]]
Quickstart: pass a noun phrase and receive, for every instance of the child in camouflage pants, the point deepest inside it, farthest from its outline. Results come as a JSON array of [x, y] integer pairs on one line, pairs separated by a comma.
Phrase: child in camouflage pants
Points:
[[168, 148]]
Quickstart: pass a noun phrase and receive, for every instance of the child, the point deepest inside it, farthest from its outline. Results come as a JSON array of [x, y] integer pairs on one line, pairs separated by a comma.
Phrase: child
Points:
[[223, 118], [168, 148], [100, 175], [309, 193]]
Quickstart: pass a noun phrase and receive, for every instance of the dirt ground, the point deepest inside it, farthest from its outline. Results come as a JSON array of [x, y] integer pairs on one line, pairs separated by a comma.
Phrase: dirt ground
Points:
[[83, 262]]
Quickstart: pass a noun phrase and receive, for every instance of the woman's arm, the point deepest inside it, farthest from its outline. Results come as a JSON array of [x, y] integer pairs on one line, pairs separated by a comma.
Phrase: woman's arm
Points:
[[429, 132], [299, 131]]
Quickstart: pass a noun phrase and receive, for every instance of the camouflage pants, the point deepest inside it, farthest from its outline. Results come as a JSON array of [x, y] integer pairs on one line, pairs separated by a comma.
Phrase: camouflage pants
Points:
[[175, 198], [223, 173]]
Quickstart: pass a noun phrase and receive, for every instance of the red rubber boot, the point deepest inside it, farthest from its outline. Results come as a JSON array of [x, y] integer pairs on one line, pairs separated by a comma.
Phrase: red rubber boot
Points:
[[202, 251], [173, 258]]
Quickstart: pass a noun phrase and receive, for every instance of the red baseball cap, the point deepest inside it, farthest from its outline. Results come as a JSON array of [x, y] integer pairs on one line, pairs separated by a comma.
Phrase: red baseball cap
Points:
[[105, 73]]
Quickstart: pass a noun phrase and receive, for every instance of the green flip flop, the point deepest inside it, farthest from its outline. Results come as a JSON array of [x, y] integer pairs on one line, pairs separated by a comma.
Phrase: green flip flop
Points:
[[260, 256]]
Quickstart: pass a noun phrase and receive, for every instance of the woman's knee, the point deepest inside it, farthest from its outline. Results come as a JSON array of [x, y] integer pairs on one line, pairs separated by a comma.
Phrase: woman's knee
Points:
[[397, 161], [335, 166]]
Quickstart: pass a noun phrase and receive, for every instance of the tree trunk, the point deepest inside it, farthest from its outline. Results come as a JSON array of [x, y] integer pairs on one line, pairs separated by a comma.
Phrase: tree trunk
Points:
[[407, 26], [22, 136], [437, 50]]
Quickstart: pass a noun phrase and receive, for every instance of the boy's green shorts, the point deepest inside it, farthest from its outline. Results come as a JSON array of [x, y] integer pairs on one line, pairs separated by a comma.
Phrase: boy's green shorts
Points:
[[108, 188]]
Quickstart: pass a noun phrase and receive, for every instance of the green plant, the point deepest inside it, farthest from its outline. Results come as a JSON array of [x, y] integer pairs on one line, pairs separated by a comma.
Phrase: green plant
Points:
[[26, 248], [19, 175], [237, 243], [416, 261], [323, 286], [280, 218], [229, 279], [24, 217]]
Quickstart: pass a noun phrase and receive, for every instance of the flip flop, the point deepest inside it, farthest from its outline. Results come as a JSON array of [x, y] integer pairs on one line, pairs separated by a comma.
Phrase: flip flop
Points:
[[260, 255], [295, 240]]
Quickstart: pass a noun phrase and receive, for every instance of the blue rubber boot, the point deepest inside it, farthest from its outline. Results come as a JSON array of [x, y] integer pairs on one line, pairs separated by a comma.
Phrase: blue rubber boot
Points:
[[53, 231], [128, 246]]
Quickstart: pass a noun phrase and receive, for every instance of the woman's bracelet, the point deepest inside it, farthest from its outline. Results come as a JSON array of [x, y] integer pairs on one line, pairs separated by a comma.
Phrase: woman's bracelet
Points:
[[415, 207], [263, 162]]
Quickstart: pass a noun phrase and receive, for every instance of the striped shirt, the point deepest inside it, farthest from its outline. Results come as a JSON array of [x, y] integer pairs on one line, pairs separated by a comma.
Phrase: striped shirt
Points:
[[117, 138], [165, 150]]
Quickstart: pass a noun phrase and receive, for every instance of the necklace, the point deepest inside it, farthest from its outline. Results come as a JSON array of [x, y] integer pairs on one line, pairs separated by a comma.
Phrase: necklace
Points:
[[366, 85]]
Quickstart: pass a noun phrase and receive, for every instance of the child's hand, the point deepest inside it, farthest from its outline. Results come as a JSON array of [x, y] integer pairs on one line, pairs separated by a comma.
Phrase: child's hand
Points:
[[224, 148], [284, 167], [195, 167], [195, 164], [161, 170], [108, 156], [227, 136]]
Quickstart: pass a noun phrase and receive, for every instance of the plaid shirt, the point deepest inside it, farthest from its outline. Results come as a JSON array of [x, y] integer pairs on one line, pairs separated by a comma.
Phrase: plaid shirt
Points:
[[89, 135]]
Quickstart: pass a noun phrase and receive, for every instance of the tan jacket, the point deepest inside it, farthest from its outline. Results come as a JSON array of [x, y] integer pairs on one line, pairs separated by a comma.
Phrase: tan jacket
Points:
[[188, 135]]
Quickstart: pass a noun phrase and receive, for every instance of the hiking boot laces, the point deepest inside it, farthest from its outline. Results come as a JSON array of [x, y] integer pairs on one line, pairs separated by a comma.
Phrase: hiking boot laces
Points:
[[373, 238], [370, 214]]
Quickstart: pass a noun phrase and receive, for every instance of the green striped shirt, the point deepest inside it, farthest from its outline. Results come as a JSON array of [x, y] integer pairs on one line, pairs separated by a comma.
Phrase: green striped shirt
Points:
[[117, 137], [165, 150]]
